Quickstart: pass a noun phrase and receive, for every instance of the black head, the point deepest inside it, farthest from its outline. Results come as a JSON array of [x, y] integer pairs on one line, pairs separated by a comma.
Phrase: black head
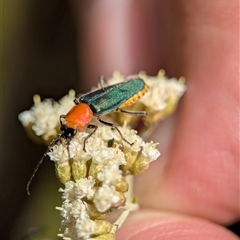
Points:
[[67, 133]]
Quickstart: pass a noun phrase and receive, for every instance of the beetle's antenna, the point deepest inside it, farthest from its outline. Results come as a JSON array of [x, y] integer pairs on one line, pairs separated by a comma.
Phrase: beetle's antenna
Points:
[[35, 171], [41, 161]]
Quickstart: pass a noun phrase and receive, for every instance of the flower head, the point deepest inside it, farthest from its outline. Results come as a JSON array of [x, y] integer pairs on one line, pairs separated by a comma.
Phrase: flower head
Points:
[[94, 167]]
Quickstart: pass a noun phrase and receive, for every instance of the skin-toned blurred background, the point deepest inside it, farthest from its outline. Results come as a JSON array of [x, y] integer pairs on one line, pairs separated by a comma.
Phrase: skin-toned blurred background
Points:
[[43, 52]]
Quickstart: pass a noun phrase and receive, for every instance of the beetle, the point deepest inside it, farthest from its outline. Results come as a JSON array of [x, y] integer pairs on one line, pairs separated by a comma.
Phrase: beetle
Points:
[[96, 103], [102, 101]]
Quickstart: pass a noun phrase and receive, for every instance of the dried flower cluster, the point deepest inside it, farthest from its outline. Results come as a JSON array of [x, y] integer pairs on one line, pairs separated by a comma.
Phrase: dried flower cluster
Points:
[[95, 181]]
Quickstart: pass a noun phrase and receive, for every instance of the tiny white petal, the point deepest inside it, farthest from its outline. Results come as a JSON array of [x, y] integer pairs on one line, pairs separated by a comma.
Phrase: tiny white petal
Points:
[[105, 197], [150, 151], [84, 188], [58, 153], [84, 228], [26, 118], [110, 174]]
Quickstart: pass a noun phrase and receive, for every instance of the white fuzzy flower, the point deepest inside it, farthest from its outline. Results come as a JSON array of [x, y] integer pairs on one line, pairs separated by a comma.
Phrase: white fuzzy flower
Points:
[[45, 116], [75, 220], [105, 197], [26, 118], [84, 228], [58, 153], [110, 174], [84, 188], [150, 152], [104, 155], [160, 90]]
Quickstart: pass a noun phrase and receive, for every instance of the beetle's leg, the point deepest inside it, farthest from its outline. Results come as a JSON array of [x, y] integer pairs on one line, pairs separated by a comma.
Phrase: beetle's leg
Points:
[[113, 126], [138, 113], [91, 126]]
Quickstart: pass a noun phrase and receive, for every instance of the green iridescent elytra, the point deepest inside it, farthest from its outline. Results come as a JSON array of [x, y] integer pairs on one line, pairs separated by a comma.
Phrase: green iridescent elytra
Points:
[[110, 98]]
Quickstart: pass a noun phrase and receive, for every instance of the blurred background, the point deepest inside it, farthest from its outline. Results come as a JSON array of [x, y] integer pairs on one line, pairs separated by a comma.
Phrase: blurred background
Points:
[[38, 56], [41, 44]]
